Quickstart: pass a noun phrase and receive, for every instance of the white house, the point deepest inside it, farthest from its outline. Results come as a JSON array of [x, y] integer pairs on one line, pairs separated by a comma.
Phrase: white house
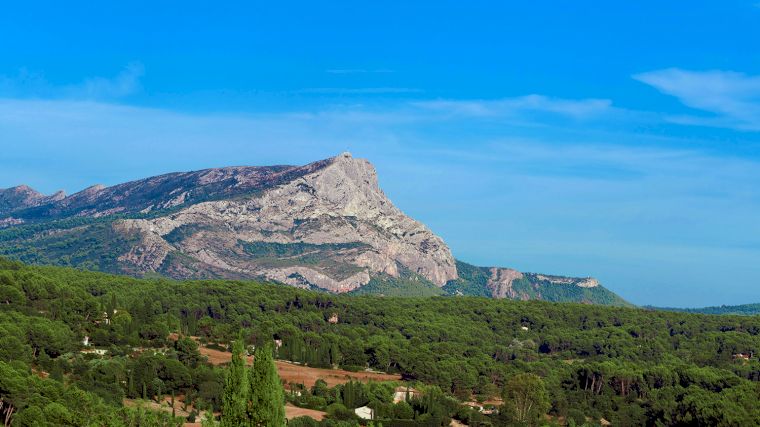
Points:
[[400, 394], [365, 413]]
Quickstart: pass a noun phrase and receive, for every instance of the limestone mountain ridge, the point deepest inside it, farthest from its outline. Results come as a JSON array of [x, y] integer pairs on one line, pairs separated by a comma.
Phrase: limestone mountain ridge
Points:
[[325, 225]]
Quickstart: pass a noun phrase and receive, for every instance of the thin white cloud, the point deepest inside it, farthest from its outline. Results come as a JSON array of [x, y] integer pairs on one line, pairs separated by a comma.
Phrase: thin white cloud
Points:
[[24, 82], [27, 84], [575, 108], [733, 98], [358, 91], [125, 83], [358, 71]]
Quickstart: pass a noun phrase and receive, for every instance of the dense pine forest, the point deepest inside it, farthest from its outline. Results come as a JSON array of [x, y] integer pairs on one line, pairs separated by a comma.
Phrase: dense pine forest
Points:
[[538, 362], [744, 309]]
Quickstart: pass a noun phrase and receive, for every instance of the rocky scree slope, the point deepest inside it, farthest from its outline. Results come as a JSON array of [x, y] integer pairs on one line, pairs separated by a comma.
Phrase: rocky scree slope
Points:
[[325, 225]]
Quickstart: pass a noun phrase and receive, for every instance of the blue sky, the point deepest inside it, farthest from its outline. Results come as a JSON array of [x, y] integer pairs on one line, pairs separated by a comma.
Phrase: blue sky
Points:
[[618, 140]]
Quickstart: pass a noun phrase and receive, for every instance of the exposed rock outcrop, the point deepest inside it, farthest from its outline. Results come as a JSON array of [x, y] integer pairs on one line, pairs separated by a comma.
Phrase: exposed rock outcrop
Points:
[[500, 282], [324, 204], [586, 282]]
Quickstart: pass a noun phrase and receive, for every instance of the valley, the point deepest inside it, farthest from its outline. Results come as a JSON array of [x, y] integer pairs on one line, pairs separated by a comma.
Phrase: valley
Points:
[[626, 366]]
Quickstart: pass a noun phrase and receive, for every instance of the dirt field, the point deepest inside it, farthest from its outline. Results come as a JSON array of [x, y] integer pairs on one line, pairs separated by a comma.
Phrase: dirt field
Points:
[[293, 373], [294, 411], [298, 374]]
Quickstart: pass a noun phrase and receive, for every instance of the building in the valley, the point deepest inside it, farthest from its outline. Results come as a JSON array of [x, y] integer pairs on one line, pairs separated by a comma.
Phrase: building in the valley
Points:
[[365, 413], [402, 393]]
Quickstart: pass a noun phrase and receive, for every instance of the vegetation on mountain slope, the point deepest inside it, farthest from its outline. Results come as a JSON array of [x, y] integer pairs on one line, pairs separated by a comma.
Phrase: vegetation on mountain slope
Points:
[[474, 281], [629, 366], [92, 244]]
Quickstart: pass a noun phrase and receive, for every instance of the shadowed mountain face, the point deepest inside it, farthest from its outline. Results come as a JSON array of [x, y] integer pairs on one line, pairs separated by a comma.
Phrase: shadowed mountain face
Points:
[[324, 225], [22, 197], [158, 193]]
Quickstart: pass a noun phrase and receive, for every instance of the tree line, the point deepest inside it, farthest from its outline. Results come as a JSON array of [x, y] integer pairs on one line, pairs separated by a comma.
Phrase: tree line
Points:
[[629, 366]]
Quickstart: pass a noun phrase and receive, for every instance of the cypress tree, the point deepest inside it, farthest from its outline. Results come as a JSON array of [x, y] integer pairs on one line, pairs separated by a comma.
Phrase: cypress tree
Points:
[[267, 407], [235, 397], [131, 384]]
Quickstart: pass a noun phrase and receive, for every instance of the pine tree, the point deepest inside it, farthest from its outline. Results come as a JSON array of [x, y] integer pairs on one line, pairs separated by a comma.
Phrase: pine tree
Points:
[[267, 407], [236, 390]]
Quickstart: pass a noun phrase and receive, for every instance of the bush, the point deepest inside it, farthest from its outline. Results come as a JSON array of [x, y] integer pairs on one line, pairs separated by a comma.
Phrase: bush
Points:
[[339, 411], [303, 422]]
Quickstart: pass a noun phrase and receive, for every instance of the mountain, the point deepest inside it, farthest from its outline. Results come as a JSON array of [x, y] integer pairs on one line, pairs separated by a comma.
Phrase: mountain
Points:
[[326, 225], [22, 197], [499, 282]]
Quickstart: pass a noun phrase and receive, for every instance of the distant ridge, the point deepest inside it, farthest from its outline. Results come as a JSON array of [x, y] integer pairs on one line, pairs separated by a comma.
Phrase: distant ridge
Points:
[[23, 196]]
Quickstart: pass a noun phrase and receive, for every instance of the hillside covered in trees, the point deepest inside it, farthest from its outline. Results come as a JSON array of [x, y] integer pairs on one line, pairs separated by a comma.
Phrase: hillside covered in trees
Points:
[[573, 363], [742, 310]]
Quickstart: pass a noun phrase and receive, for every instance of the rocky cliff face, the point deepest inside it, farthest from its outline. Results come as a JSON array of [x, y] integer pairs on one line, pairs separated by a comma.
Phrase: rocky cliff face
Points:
[[325, 225], [159, 193], [500, 282], [334, 203]]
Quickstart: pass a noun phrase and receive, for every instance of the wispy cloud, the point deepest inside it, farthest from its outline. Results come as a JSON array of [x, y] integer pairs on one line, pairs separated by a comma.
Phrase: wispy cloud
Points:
[[575, 108], [125, 83], [24, 82], [358, 91], [733, 98], [28, 84], [358, 71]]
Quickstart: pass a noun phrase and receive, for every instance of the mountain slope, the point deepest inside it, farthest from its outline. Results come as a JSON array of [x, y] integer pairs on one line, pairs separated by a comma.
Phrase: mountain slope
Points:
[[325, 225], [498, 282], [23, 197]]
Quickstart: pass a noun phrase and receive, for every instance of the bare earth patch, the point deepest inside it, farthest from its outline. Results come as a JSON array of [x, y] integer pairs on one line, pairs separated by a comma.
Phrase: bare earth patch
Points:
[[299, 374], [294, 412]]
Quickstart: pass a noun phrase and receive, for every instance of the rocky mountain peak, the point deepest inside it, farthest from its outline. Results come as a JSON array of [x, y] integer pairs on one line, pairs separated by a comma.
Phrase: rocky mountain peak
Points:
[[23, 197], [331, 217], [57, 196], [24, 189], [326, 225]]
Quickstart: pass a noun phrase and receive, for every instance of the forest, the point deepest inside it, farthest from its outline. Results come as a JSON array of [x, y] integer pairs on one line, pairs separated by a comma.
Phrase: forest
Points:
[[744, 309], [542, 363]]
